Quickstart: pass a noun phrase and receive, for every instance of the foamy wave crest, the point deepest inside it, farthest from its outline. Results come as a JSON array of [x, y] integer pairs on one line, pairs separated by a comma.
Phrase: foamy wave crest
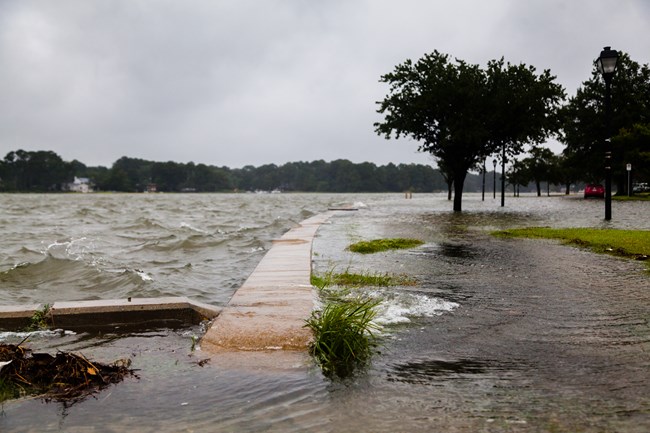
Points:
[[402, 307], [143, 275], [73, 249], [188, 226], [45, 333]]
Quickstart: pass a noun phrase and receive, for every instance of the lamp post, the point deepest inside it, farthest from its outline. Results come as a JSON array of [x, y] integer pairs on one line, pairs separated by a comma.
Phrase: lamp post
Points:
[[503, 177], [607, 66], [494, 187], [483, 189], [628, 167]]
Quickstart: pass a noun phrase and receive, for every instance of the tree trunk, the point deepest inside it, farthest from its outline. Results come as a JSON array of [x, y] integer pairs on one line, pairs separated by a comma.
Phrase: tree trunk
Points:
[[567, 191], [538, 184], [459, 181], [449, 191]]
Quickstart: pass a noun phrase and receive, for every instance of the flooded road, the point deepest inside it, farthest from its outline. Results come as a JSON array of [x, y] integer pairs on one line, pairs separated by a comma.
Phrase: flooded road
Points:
[[499, 335], [546, 337]]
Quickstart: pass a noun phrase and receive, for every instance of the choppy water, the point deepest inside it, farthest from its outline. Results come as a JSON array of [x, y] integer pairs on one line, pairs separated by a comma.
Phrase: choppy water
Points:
[[79, 247], [499, 335]]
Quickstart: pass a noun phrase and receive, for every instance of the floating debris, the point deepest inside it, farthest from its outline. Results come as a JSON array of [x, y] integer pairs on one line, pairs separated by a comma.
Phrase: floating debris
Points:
[[64, 377]]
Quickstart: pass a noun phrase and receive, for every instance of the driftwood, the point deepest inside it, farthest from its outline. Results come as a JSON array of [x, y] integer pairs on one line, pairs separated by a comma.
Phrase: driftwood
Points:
[[64, 377]]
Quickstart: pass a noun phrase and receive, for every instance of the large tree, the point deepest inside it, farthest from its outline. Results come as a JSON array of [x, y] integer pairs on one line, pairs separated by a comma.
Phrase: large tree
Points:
[[584, 119], [439, 103], [461, 113]]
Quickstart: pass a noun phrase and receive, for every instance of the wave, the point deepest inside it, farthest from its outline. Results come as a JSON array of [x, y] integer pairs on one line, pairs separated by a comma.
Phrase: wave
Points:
[[58, 279], [400, 307]]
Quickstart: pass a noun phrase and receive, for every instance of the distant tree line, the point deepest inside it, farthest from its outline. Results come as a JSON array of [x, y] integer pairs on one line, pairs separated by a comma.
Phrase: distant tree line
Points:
[[43, 171], [34, 171]]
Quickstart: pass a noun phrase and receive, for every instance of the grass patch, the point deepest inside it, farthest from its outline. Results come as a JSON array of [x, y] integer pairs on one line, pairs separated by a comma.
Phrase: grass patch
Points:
[[344, 337], [634, 244], [639, 196], [41, 319], [350, 279], [378, 245]]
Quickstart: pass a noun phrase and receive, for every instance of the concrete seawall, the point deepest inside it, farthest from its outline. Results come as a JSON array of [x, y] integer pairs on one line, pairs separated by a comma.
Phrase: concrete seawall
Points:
[[268, 312], [111, 314]]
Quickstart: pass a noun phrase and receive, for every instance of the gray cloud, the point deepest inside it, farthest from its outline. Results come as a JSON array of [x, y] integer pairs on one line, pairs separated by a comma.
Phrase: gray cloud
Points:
[[253, 82]]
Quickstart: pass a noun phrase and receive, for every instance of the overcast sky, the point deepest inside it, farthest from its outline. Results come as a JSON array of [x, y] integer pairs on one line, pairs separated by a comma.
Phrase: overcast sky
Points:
[[238, 82]]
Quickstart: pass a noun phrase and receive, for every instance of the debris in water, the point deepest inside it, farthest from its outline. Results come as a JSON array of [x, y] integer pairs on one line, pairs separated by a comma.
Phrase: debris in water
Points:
[[65, 377]]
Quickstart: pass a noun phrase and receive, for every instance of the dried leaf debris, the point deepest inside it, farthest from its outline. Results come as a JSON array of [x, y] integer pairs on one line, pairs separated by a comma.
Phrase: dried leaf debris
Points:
[[64, 377]]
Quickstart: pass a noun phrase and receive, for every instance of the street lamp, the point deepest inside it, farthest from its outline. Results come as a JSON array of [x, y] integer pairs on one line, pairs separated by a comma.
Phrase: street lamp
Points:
[[483, 189], [628, 167], [607, 66], [494, 187]]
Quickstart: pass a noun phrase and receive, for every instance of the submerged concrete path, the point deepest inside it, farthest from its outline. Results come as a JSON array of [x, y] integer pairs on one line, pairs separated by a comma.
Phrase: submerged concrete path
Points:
[[268, 312]]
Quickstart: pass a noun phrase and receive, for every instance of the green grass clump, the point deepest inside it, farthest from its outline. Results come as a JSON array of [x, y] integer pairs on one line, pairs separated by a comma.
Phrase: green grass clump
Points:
[[343, 335], [8, 390], [378, 245], [41, 319], [350, 279], [623, 243]]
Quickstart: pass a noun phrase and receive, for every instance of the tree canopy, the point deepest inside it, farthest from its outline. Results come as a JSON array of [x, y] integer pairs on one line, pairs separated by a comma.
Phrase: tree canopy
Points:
[[461, 113]]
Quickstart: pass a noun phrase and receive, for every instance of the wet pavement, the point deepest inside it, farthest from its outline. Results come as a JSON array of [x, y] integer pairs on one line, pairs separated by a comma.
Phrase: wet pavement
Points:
[[546, 337]]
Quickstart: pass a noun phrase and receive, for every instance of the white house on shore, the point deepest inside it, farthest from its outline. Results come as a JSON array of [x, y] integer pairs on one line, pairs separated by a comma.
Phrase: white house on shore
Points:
[[80, 184]]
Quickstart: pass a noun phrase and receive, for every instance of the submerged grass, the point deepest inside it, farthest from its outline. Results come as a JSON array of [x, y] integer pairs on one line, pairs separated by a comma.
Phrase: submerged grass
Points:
[[344, 331], [634, 244], [639, 196], [379, 245], [350, 279], [344, 337]]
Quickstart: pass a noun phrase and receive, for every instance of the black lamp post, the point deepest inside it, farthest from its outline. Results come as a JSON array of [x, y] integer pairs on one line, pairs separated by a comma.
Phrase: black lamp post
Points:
[[483, 189], [607, 66], [494, 187]]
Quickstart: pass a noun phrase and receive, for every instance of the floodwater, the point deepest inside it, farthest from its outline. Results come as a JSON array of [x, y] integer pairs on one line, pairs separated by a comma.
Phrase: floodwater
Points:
[[498, 335]]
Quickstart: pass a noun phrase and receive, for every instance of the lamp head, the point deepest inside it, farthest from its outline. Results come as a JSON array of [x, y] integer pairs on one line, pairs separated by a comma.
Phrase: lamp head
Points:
[[607, 62]]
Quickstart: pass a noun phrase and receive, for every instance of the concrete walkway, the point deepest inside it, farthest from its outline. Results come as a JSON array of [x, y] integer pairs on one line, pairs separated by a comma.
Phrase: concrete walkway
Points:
[[268, 312]]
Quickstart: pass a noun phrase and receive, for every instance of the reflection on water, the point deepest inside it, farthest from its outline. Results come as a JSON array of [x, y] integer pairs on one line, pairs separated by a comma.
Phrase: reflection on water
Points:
[[431, 371], [510, 334]]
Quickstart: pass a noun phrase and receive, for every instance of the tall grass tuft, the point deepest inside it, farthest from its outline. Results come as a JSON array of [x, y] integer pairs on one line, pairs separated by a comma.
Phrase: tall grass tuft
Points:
[[344, 336]]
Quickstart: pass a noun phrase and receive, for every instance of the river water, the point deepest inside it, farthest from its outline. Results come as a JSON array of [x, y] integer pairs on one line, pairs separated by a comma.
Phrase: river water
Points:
[[498, 335]]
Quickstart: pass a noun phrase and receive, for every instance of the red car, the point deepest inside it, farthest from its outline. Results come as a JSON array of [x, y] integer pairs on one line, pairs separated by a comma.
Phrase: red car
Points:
[[593, 190]]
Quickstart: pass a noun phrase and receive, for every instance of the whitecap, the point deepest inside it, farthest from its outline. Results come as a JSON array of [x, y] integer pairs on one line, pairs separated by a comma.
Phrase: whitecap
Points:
[[402, 307], [185, 225], [45, 333], [143, 275]]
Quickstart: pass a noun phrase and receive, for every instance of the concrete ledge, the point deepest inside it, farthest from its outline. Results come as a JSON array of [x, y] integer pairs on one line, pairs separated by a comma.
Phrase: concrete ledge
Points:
[[99, 315]]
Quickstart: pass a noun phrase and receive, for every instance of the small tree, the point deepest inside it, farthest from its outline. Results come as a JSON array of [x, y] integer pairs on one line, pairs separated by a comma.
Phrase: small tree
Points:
[[539, 167]]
